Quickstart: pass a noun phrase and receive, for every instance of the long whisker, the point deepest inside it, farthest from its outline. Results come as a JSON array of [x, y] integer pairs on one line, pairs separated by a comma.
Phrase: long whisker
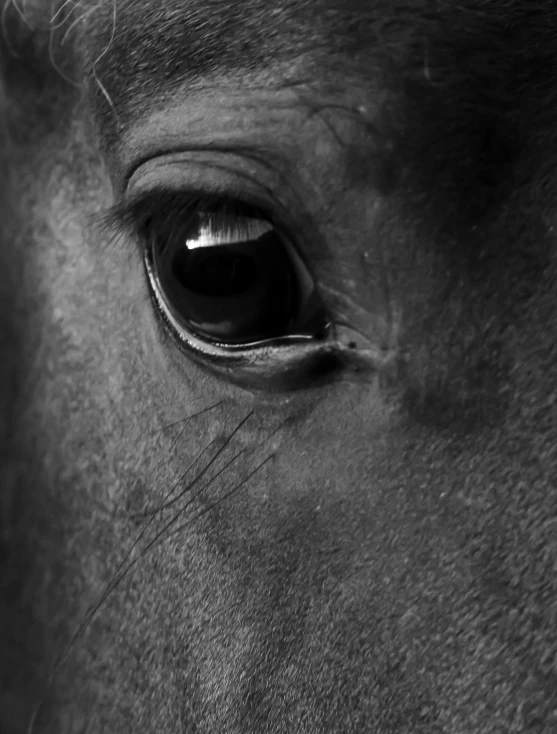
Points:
[[154, 512], [114, 581], [136, 516], [186, 422], [201, 473], [224, 497], [160, 506], [106, 591], [193, 415], [158, 539], [261, 443], [145, 513], [188, 504]]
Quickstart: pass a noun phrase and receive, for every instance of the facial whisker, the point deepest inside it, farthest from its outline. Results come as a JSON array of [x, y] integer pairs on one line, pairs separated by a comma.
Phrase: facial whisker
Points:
[[176, 499], [203, 471], [152, 511], [115, 580], [220, 500], [270, 436], [179, 436], [251, 450], [190, 502], [193, 415], [186, 422], [156, 541]]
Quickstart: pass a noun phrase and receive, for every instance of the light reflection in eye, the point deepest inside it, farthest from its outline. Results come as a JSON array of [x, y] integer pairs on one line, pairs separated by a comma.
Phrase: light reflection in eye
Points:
[[243, 230]]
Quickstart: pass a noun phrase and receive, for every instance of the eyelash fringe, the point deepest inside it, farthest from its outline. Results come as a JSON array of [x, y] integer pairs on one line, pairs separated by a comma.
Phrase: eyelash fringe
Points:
[[172, 213]]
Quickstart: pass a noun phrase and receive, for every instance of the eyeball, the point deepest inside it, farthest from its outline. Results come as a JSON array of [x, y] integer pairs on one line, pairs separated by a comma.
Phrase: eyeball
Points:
[[236, 282]]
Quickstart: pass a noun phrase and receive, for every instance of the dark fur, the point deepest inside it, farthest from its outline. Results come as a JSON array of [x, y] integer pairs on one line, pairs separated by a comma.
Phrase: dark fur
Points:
[[394, 569]]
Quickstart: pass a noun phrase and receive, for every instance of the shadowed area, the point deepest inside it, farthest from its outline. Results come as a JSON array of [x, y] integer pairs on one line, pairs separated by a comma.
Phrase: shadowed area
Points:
[[188, 544]]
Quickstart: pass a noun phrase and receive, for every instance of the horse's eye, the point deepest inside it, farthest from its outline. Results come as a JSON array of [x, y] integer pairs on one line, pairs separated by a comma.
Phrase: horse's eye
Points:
[[235, 282]]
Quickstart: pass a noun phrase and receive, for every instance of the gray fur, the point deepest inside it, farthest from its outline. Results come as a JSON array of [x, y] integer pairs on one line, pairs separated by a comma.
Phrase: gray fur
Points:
[[393, 567]]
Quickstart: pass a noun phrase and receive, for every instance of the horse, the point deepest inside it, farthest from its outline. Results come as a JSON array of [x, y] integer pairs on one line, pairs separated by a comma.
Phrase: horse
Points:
[[279, 366]]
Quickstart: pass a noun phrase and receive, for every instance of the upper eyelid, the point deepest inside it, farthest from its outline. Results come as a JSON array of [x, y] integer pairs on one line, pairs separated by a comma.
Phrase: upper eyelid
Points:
[[121, 220], [122, 215], [125, 220], [211, 173], [127, 214]]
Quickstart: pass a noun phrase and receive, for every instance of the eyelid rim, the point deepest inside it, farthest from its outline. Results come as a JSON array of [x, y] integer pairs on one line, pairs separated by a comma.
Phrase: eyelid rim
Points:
[[198, 172]]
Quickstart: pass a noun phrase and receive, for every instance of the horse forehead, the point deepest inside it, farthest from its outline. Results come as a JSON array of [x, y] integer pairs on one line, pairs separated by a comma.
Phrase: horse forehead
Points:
[[188, 41], [249, 29], [139, 50], [200, 36]]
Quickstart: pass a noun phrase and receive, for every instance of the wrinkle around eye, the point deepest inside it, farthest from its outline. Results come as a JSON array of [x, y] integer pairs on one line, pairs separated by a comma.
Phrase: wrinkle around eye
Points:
[[281, 124]]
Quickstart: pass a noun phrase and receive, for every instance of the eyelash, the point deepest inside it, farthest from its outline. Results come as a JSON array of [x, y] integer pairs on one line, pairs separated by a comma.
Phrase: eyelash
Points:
[[175, 211]]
